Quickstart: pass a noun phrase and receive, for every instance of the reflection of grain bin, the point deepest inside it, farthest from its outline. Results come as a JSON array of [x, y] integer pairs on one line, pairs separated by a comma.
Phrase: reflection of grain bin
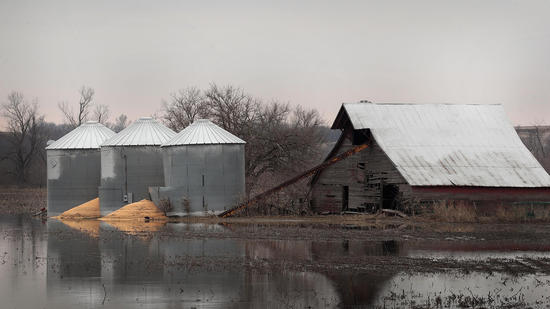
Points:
[[74, 163], [131, 161], [203, 169]]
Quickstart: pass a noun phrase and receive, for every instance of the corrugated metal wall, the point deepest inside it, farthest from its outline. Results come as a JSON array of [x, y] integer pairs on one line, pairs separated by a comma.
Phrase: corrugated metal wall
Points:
[[209, 177], [128, 171], [73, 178]]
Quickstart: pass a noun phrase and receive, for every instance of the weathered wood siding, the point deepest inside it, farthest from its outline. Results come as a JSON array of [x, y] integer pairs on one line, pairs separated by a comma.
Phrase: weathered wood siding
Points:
[[365, 175]]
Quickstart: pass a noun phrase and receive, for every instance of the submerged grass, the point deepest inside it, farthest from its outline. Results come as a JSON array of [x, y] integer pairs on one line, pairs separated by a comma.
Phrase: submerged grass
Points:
[[22, 200]]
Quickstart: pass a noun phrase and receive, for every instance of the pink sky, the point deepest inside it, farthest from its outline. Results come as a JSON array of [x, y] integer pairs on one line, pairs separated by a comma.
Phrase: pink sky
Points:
[[317, 54]]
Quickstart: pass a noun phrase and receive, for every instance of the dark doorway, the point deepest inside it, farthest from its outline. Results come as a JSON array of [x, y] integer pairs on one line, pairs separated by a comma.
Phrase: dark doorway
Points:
[[389, 196], [345, 198]]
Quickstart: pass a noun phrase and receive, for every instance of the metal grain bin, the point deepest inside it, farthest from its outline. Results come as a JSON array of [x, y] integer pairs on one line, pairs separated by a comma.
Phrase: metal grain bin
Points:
[[74, 166], [204, 170], [131, 162]]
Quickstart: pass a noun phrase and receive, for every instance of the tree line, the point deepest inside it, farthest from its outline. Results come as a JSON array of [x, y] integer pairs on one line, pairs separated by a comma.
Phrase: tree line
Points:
[[281, 139]]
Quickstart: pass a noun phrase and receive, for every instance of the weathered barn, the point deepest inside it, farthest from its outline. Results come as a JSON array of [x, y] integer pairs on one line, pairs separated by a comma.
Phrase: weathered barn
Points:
[[421, 153], [74, 163], [204, 170], [131, 162]]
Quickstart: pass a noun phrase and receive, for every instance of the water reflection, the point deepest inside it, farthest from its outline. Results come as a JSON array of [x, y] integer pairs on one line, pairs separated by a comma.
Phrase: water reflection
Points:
[[89, 264]]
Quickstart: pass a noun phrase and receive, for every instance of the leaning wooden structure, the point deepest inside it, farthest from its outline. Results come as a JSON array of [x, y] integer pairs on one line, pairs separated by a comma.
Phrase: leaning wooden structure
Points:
[[427, 153]]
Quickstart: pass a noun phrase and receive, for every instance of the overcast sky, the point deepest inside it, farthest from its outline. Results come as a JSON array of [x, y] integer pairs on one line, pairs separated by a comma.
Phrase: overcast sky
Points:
[[317, 54]]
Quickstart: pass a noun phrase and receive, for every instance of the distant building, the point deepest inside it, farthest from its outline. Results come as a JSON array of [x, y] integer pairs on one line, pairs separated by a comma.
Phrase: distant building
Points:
[[424, 153]]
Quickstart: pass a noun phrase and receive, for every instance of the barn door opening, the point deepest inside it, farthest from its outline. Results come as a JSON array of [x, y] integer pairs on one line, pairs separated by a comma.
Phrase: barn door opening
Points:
[[345, 198], [389, 196]]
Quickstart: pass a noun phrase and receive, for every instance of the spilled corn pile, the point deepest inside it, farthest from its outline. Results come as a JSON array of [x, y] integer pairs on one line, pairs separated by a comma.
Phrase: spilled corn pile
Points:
[[88, 210], [136, 228], [137, 211]]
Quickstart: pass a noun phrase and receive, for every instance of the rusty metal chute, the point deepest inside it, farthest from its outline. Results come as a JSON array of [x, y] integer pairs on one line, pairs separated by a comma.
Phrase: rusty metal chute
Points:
[[259, 197]]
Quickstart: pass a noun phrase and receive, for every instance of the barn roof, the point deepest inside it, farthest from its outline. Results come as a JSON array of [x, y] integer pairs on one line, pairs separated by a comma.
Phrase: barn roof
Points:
[[448, 144], [203, 131], [145, 131], [87, 136]]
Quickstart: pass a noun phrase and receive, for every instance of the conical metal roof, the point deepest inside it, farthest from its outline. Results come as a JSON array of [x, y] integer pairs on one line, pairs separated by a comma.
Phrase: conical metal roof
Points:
[[203, 131], [89, 135], [145, 131]]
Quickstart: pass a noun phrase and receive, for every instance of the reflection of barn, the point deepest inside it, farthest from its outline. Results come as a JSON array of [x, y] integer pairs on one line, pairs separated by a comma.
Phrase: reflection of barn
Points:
[[427, 152]]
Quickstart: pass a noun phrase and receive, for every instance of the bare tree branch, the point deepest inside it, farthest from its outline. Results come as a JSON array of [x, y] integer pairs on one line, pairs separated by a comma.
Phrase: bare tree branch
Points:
[[102, 113], [184, 107], [24, 126], [84, 105], [121, 122]]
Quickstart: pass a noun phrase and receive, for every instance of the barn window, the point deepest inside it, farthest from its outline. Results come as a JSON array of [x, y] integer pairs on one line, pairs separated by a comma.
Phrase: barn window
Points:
[[359, 137], [345, 198]]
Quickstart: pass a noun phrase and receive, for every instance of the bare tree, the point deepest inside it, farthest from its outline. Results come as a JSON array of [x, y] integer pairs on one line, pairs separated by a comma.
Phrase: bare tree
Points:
[[280, 140], [184, 107], [121, 122], [24, 126], [102, 113], [84, 105], [232, 108]]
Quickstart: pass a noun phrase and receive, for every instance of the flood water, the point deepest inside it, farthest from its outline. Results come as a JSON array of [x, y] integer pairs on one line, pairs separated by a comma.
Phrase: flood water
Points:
[[53, 264]]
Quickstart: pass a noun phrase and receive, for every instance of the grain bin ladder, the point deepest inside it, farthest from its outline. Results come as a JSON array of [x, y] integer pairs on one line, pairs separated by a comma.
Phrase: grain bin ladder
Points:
[[259, 197]]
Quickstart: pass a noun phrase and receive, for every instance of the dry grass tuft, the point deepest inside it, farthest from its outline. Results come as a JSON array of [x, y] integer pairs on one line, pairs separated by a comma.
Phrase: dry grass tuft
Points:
[[490, 212], [454, 211]]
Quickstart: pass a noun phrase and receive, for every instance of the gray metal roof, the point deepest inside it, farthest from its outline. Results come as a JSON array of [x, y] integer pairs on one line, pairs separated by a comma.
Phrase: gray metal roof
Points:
[[89, 135], [448, 145], [203, 131], [145, 131]]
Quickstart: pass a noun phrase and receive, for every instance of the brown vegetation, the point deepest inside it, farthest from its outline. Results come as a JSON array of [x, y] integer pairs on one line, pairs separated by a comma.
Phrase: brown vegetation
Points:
[[22, 200], [470, 211]]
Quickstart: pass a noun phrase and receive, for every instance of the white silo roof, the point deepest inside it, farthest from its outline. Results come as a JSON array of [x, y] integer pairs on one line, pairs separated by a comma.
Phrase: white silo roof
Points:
[[89, 135], [145, 131], [203, 131]]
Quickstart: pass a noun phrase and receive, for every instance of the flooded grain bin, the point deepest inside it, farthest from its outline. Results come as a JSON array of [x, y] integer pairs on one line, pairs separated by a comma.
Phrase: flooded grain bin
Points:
[[203, 170], [131, 162], [74, 166]]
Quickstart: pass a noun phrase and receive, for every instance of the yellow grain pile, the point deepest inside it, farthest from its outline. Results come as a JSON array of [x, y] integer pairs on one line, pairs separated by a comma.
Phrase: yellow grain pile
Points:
[[137, 211], [88, 210], [137, 228], [90, 227]]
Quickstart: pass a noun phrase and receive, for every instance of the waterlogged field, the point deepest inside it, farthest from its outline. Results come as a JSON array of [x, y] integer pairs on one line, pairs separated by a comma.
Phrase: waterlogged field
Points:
[[88, 264]]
